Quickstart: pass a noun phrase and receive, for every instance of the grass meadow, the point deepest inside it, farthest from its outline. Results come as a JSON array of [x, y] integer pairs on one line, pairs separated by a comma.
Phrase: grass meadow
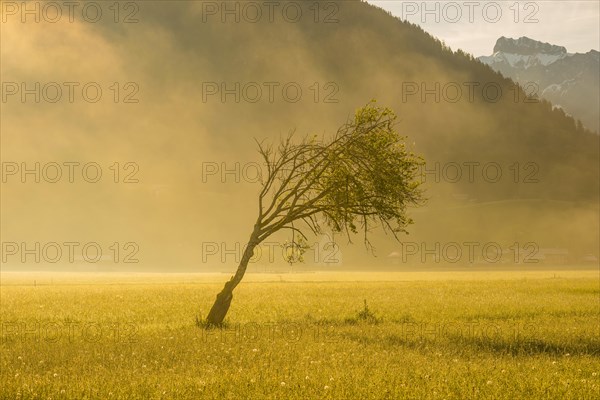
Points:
[[430, 335]]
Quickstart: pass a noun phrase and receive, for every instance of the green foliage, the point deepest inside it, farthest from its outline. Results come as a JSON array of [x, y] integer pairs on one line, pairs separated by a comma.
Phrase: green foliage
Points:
[[294, 249], [372, 176], [360, 178]]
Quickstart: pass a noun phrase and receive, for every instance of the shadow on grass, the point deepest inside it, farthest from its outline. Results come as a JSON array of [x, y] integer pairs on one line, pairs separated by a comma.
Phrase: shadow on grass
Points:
[[497, 346]]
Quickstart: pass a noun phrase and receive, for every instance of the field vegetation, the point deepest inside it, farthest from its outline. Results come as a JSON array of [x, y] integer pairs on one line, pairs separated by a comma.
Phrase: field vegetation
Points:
[[396, 335]]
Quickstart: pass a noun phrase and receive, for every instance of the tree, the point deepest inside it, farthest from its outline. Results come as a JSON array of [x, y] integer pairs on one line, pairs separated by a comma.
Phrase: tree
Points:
[[360, 178]]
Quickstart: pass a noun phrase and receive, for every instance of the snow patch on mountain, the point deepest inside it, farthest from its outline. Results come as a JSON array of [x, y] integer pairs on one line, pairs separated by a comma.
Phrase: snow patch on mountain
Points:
[[559, 89], [523, 61]]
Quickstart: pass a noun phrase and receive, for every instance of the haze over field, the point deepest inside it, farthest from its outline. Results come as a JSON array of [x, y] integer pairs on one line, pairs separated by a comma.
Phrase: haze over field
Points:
[[192, 93]]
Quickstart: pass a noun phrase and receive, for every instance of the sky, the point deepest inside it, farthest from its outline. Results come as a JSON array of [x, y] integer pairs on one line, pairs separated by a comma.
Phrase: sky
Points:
[[474, 26]]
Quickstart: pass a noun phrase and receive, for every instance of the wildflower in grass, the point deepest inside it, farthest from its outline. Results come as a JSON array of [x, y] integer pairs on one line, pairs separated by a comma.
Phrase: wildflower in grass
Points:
[[282, 384]]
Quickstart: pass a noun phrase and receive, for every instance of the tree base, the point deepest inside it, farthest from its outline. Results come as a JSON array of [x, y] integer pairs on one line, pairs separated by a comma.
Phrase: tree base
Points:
[[220, 307]]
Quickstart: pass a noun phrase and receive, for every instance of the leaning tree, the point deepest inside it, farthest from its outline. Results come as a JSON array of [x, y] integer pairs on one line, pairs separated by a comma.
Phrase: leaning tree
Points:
[[360, 178]]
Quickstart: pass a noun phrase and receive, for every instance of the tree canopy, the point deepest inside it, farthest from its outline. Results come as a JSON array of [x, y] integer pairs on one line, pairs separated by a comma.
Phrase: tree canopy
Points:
[[360, 178]]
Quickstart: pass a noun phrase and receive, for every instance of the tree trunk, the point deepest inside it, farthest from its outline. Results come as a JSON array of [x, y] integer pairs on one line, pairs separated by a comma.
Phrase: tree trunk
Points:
[[221, 306], [223, 301]]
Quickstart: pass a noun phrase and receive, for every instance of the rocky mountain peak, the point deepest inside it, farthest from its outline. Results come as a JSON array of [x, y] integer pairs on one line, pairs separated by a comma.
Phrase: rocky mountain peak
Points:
[[526, 46]]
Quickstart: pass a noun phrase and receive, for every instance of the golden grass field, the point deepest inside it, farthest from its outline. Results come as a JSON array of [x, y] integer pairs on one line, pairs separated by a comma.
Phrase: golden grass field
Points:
[[428, 335]]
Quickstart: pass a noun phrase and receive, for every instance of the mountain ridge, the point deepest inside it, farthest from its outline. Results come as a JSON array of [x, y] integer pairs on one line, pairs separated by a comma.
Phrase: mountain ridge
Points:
[[569, 80], [527, 46]]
